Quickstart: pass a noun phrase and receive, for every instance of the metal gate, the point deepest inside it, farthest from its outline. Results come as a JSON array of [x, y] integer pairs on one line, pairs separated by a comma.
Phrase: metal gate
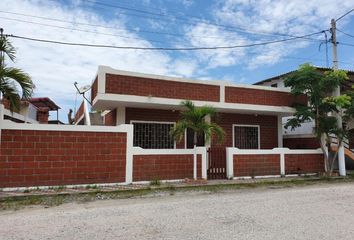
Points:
[[216, 163]]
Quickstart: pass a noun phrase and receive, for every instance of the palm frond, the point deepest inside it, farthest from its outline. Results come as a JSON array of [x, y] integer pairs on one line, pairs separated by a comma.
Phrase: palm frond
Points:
[[7, 48], [20, 77], [10, 92]]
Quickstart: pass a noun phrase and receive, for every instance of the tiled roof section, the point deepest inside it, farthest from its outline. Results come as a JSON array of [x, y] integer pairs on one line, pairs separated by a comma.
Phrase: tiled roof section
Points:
[[44, 102]]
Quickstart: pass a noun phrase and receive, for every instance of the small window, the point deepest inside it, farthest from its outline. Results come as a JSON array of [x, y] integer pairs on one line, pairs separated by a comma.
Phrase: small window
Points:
[[246, 137], [153, 135], [274, 85]]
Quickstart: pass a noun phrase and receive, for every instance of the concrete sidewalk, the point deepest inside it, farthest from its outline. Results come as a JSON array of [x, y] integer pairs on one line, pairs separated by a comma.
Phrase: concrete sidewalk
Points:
[[187, 183]]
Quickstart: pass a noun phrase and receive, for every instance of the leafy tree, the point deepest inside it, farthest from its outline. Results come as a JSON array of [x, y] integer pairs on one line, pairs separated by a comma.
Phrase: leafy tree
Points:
[[11, 78], [194, 118], [322, 108]]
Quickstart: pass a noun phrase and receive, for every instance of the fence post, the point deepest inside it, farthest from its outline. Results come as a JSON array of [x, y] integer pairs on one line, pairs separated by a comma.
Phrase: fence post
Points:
[[282, 164], [229, 163], [129, 156], [203, 151]]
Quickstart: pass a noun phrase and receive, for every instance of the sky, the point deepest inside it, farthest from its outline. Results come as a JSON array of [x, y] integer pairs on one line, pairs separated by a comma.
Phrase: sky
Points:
[[174, 24]]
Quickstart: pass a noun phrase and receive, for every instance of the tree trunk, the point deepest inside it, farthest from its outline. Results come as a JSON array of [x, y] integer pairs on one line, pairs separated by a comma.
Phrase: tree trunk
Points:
[[195, 139]]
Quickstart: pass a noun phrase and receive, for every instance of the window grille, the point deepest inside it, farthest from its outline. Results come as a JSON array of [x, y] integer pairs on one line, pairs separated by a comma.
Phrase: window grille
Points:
[[153, 135], [246, 137]]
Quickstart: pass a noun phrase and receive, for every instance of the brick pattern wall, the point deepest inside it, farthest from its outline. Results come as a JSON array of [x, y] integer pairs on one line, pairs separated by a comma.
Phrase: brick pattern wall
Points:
[[256, 165], [44, 158], [162, 167], [79, 112], [94, 89], [139, 86], [261, 97], [304, 163], [301, 143], [110, 119], [43, 115], [158, 115], [268, 128]]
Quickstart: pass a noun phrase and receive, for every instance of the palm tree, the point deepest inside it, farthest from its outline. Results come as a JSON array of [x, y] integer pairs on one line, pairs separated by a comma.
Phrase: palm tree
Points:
[[11, 78], [194, 118]]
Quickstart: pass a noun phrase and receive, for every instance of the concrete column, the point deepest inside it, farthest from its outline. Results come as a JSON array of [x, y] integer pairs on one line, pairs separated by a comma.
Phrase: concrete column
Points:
[[120, 115], [280, 131]]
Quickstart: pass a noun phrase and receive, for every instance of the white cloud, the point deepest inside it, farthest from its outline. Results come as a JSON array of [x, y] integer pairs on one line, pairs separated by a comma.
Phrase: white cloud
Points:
[[54, 68], [215, 37], [298, 17]]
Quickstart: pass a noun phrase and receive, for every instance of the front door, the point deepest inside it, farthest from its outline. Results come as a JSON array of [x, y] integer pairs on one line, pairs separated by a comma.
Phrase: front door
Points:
[[216, 163]]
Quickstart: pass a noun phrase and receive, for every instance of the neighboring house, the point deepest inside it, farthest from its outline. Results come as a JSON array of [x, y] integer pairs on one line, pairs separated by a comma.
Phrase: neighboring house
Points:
[[35, 110], [250, 115], [302, 137]]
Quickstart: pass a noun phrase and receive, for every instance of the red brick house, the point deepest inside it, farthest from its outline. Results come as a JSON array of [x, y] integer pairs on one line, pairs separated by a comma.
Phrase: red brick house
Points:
[[250, 115]]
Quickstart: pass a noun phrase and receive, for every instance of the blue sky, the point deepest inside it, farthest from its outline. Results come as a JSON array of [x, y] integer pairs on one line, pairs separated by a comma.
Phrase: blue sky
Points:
[[170, 23]]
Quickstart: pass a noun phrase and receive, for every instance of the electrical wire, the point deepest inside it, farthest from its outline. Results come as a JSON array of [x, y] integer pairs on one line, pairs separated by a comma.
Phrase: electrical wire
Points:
[[79, 30], [349, 35], [107, 27], [163, 48], [345, 14], [225, 27]]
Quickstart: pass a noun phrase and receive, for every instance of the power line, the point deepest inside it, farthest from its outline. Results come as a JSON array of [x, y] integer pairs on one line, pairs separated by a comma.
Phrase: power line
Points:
[[186, 20], [79, 30], [102, 26], [345, 14], [349, 35], [164, 48], [346, 44]]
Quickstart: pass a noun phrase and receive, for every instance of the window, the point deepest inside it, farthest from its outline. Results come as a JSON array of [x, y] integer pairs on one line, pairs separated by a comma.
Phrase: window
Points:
[[274, 85], [246, 136], [151, 135]]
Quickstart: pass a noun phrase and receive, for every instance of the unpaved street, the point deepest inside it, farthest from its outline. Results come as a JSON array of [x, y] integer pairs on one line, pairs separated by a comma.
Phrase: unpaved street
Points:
[[312, 212]]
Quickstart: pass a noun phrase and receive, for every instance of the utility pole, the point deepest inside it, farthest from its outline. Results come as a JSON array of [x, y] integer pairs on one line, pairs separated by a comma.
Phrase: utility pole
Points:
[[336, 93]]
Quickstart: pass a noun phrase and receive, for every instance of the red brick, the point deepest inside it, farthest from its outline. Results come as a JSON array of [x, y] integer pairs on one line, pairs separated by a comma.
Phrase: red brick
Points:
[[129, 85]]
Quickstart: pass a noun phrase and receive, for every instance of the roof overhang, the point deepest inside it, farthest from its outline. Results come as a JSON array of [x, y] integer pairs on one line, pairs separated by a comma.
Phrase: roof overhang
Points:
[[111, 101]]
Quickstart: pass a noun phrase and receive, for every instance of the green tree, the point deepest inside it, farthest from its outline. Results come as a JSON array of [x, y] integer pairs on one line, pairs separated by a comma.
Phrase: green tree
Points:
[[194, 118], [11, 78], [322, 108]]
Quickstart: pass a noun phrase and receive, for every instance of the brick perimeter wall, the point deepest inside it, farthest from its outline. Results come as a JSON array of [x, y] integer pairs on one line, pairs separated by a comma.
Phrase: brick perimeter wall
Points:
[[139, 86], [301, 143], [261, 97], [303, 163], [162, 167], [256, 165], [268, 128], [44, 158]]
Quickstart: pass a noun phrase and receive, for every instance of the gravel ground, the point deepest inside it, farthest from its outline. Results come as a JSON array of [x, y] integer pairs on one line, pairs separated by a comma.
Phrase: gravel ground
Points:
[[324, 211]]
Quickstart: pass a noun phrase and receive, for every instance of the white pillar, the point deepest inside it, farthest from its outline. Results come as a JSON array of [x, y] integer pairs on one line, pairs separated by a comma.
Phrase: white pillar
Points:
[[341, 161], [120, 115], [129, 156], [87, 114], [229, 163], [280, 131]]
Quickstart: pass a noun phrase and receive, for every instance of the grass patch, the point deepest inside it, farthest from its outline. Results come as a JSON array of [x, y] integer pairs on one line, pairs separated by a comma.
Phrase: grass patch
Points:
[[155, 182], [18, 202]]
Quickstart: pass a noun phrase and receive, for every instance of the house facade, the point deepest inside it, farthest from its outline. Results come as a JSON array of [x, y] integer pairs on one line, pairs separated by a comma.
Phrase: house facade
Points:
[[251, 116]]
